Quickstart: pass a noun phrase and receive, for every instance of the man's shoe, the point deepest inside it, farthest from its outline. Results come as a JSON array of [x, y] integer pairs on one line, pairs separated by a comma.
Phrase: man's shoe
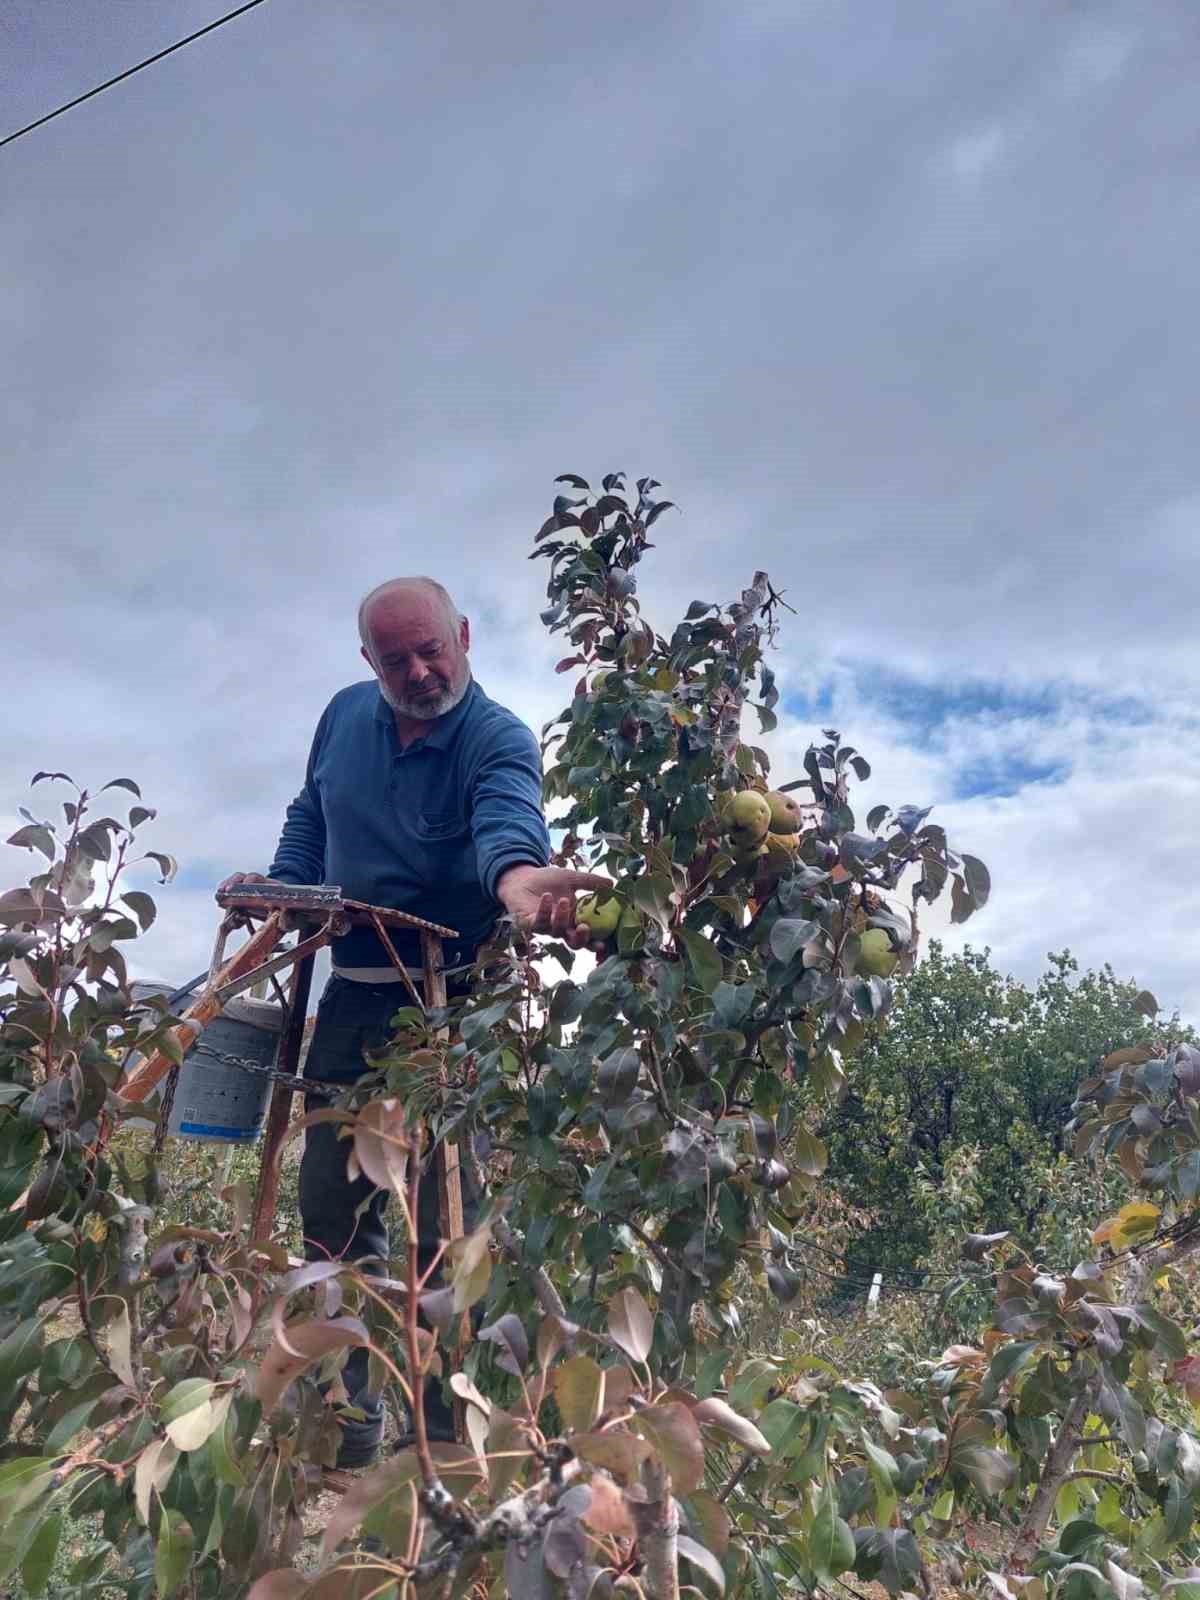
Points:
[[360, 1441]]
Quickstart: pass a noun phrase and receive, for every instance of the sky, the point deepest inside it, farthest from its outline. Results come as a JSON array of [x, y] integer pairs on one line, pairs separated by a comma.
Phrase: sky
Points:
[[896, 301]]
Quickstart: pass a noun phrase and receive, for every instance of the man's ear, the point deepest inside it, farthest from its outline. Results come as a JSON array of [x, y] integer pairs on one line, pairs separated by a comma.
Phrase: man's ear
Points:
[[464, 632], [366, 655]]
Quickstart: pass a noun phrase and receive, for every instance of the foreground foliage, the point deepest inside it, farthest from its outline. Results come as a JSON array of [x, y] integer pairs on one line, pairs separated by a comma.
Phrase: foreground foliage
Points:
[[647, 1136]]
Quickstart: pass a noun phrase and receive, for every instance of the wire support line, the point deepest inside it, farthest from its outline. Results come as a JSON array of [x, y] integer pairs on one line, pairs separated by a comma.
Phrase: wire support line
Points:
[[129, 71]]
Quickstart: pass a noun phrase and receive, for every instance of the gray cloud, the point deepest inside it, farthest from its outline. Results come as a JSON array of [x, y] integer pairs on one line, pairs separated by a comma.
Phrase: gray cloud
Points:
[[896, 301]]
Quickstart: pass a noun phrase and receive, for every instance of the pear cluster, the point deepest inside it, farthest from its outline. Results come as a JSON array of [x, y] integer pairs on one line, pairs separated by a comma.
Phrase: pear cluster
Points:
[[762, 826]]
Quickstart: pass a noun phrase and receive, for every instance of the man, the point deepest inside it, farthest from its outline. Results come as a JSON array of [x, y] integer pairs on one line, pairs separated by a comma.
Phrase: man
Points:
[[424, 795]]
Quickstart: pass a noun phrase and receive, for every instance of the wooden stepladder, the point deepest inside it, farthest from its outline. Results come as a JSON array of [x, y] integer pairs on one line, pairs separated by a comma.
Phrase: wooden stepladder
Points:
[[316, 914]]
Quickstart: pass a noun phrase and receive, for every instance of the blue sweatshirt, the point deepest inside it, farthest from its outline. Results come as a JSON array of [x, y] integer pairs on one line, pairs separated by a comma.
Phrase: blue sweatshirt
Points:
[[426, 829]]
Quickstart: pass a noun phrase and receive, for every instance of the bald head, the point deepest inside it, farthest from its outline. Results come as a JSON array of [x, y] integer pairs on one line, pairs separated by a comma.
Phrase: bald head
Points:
[[429, 587], [416, 644]]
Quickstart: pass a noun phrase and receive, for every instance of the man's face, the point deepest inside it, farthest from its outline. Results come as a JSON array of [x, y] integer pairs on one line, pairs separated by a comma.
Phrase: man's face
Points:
[[418, 654]]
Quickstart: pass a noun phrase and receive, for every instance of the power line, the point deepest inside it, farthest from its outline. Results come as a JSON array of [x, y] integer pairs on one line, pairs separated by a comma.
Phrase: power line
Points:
[[129, 71]]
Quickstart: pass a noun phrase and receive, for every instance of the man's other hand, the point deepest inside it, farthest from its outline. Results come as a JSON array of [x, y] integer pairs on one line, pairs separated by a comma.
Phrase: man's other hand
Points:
[[234, 878], [542, 900]]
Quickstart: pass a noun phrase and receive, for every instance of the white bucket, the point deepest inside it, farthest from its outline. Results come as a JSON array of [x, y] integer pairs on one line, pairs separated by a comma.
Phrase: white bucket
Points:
[[213, 1100]]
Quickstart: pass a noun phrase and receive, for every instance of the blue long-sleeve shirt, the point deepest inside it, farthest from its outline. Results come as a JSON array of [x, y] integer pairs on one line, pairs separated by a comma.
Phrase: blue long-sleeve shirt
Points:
[[428, 828]]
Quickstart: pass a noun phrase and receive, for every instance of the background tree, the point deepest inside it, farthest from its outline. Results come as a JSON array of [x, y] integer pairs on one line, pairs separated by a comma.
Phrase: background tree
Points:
[[969, 1058]]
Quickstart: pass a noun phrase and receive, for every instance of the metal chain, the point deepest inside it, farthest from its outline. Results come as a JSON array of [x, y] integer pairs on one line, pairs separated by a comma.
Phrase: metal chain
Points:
[[257, 1069]]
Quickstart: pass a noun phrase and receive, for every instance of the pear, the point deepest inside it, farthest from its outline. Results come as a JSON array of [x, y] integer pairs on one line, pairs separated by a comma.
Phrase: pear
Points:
[[786, 815], [602, 920], [781, 851], [875, 953], [749, 817]]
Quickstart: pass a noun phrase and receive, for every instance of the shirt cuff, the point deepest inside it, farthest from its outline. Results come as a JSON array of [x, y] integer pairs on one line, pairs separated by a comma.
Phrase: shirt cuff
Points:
[[497, 871]]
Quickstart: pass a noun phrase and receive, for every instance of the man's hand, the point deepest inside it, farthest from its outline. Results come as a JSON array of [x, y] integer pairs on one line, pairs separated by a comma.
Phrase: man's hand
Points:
[[234, 878], [542, 900]]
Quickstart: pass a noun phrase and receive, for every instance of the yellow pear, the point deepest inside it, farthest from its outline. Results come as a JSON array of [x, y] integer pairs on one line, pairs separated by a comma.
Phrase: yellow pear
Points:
[[786, 815], [781, 851], [749, 816]]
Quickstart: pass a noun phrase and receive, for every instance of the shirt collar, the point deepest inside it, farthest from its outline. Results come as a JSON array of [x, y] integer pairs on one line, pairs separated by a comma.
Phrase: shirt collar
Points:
[[443, 730]]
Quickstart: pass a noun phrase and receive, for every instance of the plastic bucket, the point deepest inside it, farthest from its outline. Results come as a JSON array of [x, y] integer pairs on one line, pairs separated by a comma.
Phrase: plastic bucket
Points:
[[212, 1100]]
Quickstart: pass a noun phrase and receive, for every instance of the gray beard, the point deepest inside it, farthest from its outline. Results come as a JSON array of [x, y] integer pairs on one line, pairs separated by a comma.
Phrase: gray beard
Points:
[[427, 710]]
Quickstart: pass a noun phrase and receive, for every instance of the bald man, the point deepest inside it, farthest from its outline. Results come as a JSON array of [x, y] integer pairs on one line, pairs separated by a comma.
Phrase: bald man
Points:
[[424, 795]]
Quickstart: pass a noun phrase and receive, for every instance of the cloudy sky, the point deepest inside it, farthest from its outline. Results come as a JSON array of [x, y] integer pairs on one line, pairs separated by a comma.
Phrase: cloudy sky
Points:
[[898, 301]]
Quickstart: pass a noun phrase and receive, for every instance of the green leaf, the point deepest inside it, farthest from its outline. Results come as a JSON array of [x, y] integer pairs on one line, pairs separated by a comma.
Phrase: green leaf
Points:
[[173, 1552], [889, 1554], [704, 959], [124, 783], [21, 1482], [20, 1352], [830, 1540], [39, 1558]]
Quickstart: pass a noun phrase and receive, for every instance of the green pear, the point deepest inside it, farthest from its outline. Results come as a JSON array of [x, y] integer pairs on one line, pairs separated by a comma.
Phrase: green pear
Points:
[[875, 953], [786, 815], [601, 920], [749, 817]]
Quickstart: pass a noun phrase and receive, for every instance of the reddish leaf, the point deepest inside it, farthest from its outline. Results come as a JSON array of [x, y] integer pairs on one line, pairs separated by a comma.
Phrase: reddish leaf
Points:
[[300, 1345]]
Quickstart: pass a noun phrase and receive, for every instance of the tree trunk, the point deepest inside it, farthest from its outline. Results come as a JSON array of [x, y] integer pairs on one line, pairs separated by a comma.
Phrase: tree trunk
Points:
[[657, 1524], [1054, 1474]]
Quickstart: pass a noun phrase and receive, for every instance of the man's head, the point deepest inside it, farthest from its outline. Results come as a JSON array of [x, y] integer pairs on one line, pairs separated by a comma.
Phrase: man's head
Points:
[[416, 644]]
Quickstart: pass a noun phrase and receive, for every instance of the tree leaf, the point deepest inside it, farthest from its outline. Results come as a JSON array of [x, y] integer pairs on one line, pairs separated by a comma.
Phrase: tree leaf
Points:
[[631, 1323], [385, 1483], [35, 836], [716, 1413], [989, 1470], [173, 1552], [166, 864], [120, 1338], [675, 1434], [153, 1471], [40, 1556], [303, 1343], [508, 1334], [831, 1548], [579, 1391], [807, 1153], [790, 935], [712, 1569], [124, 783], [703, 957], [471, 1268], [142, 906], [381, 1144]]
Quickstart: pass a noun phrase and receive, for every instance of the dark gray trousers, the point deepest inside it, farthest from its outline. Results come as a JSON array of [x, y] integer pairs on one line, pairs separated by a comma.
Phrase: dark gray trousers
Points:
[[343, 1219]]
